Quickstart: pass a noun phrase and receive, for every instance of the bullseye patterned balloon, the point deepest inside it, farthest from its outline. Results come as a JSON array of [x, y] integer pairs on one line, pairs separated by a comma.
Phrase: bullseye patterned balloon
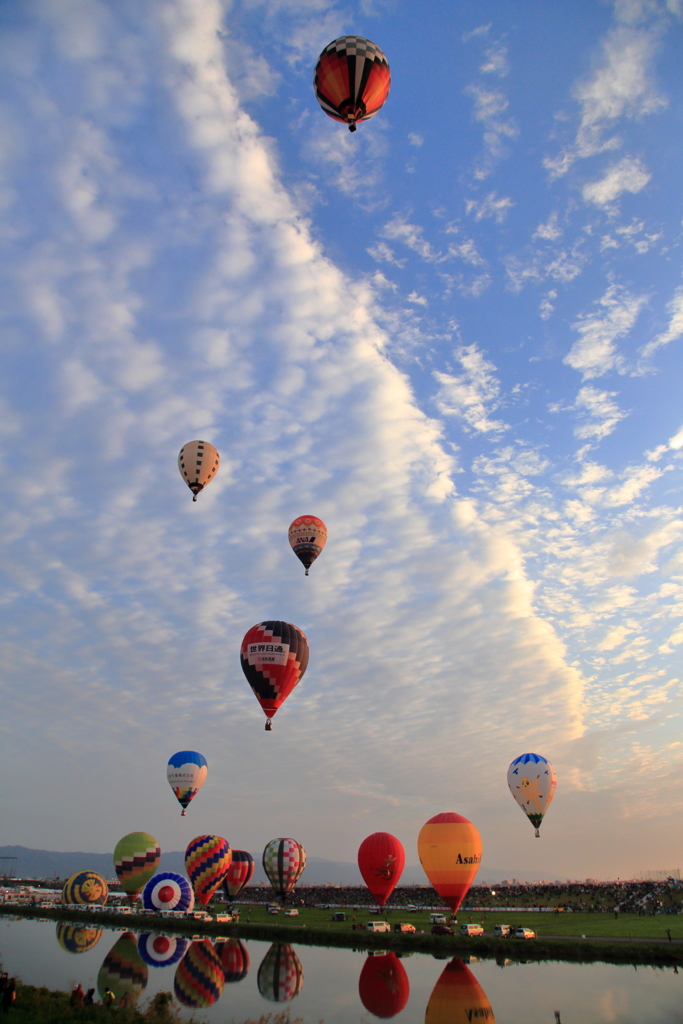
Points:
[[199, 978], [161, 950], [207, 860], [168, 891]]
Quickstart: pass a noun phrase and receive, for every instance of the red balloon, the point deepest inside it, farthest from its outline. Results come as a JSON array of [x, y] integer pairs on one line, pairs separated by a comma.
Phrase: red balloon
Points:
[[383, 985], [381, 859]]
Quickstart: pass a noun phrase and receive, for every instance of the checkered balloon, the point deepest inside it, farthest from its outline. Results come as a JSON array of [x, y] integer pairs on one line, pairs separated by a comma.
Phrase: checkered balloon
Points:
[[168, 891], [161, 950], [283, 862], [352, 79], [280, 976]]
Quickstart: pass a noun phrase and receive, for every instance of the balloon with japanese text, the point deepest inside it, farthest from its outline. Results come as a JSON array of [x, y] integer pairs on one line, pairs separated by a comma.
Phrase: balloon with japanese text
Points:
[[274, 657], [186, 773], [307, 538]]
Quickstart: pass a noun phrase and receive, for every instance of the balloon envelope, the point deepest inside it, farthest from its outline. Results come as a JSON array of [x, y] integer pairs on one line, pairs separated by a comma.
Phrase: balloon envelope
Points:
[[207, 860], [383, 985], [239, 873], [136, 858], [123, 971], [274, 657], [280, 976], [283, 862], [77, 938], [168, 891], [381, 859], [85, 887], [199, 979], [186, 773], [449, 848], [307, 538], [235, 960], [351, 79], [458, 998], [532, 783], [198, 463], [161, 950]]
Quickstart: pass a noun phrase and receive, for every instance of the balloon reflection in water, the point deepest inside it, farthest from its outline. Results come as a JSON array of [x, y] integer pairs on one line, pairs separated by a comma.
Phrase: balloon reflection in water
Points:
[[199, 978], [383, 985], [123, 971], [77, 938], [161, 950], [280, 976], [458, 998], [235, 959]]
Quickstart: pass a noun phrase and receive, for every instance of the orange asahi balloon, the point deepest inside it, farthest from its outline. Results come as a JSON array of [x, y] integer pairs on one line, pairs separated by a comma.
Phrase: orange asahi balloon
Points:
[[458, 998], [449, 848]]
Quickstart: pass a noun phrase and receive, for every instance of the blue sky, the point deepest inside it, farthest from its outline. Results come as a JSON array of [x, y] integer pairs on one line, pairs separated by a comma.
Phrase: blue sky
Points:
[[454, 335]]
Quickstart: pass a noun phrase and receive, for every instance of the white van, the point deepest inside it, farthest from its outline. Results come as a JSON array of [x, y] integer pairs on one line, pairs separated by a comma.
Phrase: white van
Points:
[[437, 919], [378, 926], [471, 929], [501, 931]]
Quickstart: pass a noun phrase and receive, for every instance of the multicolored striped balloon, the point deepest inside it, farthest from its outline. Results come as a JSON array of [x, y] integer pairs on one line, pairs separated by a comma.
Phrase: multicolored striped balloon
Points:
[[77, 938], [207, 860], [168, 891], [280, 976], [239, 874], [85, 887], [161, 950], [199, 978], [136, 858], [235, 959], [123, 971], [284, 861]]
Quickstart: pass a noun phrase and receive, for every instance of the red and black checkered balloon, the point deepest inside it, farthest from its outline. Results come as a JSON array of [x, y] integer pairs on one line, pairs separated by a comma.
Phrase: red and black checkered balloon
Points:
[[274, 657], [352, 79]]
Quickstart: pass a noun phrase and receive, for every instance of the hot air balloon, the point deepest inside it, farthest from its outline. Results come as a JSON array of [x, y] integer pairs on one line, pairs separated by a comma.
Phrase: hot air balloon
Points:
[[383, 985], [136, 858], [449, 848], [207, 860], [351, 80], [199, 976], [381, 859], [458, 998], [186, 774], [239, 874], [532, 783], [77, 938], [235, 960], [284, 861], [198, 463], [161, 950], [280, 976], [85, 887], [307, 538], [168, 891], [123, 971], [274, 657]]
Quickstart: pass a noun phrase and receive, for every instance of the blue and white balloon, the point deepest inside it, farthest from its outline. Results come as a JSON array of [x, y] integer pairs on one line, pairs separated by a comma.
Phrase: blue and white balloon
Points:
[[168, 891]]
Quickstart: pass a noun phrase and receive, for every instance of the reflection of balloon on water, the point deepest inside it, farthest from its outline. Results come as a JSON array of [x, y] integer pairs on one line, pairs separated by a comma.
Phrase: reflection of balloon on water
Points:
[[136, 858], [235, 959], [186, 774], [75, 938], [449, 848], [274, 657], [85, 887], [199, 977], [168, 891], [383, 985], [161, 950], [351, 79], [239, 874], [207, 859], [307, 538], [458, 998], [198, 463], [381, 859], [532, 783], [283, 862], [123, 971], [280, 976]]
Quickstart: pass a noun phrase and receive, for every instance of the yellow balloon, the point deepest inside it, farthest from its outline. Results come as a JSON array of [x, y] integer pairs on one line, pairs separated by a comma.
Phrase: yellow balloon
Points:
[[449, 848], [458, 998]]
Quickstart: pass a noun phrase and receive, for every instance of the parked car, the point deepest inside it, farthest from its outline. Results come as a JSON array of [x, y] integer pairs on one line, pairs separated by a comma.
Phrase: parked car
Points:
[[273, 910], [378, 926], [441, 929], [292, 912], [525, 933], [437, 919], [502, 931], [405, 929], [471, 929], [223, 917]]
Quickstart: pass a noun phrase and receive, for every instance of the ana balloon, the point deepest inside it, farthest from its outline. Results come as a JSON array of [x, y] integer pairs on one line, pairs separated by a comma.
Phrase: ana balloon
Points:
[[532, 783], [274, 657], [284, 861], [449, 848], [239, 874], [458, 998], [280, 976], [381, 859], [186, 774], [198, 463], [307, 538], [136, 859], [383, 985], [207, 860], [352, 80]]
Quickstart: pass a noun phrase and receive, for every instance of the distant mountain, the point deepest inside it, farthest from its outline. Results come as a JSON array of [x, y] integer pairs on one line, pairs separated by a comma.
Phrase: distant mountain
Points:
[[49, 864]]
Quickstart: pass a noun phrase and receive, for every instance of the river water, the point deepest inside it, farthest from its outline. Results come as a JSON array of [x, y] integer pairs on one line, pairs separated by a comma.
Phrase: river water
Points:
[[237, 981]]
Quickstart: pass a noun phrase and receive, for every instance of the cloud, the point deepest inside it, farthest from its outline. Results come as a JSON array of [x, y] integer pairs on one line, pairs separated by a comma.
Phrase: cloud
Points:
[[602, 414], [489, 105], [595, 353], [492, 205], [473, 395], [629, 175], [496, 61], [673, 331]]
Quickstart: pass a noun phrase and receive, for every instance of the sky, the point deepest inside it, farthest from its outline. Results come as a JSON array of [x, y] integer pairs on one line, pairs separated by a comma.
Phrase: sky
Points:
[[454, 335]]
